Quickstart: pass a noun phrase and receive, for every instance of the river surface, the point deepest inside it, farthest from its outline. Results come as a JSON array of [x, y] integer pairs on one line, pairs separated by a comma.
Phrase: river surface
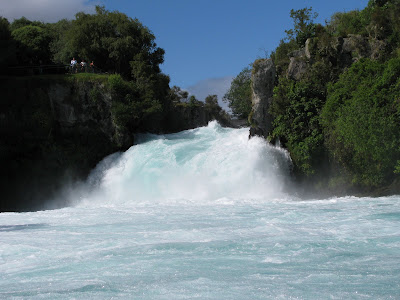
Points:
[[201, 214]]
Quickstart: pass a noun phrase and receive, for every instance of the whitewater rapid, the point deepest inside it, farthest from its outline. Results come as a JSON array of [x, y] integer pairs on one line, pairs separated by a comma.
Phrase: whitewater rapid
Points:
[[201, 214], [199, 166]]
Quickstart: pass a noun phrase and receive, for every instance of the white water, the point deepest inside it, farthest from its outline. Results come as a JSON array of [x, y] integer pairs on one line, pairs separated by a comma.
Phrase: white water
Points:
[[201, 214]]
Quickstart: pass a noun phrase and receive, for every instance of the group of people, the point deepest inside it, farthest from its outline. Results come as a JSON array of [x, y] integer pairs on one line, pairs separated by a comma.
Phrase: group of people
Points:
[[82, 67]]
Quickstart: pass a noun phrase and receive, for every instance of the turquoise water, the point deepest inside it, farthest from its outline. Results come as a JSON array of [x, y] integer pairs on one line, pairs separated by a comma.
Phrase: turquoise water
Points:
[[203, 214]]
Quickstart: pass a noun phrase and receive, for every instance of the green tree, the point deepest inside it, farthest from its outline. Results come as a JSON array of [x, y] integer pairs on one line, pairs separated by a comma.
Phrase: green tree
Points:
[[238, 96], [304, 27], [33, 44], [22, 22], [193, 101], [345, 23], [116, 42], [281, 55], [7, 46], [361, 120], [134, 106], [177, 95], [296, 110], [212, 101], [5, 33], [59, 46]]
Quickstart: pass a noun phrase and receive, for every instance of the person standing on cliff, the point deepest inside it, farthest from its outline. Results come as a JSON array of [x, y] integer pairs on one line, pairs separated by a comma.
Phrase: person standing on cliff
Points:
[[73, 64], [83, 65], [92, 66]]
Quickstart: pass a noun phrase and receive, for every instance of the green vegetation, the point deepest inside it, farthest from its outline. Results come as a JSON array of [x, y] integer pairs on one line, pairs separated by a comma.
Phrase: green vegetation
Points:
[[130, 106], [117, 44], [238, 96], [341, 114], [344, 110], [32, 44], [361, 121], [304, 27], [296, 109], [84, 77], [59, 124]]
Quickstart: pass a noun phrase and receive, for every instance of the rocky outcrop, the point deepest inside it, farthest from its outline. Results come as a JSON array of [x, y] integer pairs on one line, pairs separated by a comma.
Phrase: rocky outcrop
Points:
[[185, 116], [362, 47], [77, 108], [298, 64], [341, 52], [263, 81], [345, 51], [52, 132]]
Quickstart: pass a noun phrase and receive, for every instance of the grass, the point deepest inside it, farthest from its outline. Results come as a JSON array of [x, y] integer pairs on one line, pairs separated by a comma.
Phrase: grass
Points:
[[80, 77], [84, 77]]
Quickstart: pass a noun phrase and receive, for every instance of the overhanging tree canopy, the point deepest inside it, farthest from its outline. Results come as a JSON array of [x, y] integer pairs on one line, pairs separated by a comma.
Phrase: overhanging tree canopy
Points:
[[114, 41]]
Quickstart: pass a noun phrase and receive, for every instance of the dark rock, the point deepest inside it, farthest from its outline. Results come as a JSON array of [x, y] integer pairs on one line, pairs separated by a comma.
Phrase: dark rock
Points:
[[263, 81], [185, 116], [53, 133]]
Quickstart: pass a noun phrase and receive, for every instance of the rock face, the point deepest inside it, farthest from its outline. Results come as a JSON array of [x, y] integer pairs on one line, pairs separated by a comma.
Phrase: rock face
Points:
[[263, 81], [183, 117], [298, 64], [74, 109], [342, 52], [52, 132], [362, 47]]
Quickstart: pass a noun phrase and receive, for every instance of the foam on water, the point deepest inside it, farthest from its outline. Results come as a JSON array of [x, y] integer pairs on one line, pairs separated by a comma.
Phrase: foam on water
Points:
[[202, 165], [201, 215]]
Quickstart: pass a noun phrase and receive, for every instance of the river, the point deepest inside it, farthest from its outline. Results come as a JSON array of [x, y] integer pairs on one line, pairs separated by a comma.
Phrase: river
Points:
[[201, 214]]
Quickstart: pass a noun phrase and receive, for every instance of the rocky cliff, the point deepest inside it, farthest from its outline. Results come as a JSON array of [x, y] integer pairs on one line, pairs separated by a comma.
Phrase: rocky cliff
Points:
[[303, 86], [262, 84], [341, 52], [54, 130], [184, 116]]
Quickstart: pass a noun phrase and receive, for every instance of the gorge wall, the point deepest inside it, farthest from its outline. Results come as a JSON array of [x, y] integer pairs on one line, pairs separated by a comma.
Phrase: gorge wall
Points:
[[54, 130], [292, 96], [262, 85]]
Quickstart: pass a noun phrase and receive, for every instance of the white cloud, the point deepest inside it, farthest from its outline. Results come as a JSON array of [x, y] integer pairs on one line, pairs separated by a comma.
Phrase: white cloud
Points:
[[44, 10], [212, 86]]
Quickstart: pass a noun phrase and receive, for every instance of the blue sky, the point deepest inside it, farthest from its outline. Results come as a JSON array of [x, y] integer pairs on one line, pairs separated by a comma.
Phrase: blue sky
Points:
[[210, 39], [207, 42]]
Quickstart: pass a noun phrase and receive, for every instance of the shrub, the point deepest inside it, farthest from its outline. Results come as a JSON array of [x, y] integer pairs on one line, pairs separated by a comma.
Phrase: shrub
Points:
[[361, 121]]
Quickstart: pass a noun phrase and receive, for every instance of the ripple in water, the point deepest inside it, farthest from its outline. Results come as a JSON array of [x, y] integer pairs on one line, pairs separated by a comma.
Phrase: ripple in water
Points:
[[201, 214]]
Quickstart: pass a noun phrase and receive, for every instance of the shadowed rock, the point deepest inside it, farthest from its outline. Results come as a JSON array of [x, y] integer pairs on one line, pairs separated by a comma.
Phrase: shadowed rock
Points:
[[262, 84]]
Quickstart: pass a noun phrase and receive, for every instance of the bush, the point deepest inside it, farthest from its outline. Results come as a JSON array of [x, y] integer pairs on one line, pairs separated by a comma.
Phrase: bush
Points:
[[238, 96], [361, 121], [131, 106], [295, 109], [281, 55]]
